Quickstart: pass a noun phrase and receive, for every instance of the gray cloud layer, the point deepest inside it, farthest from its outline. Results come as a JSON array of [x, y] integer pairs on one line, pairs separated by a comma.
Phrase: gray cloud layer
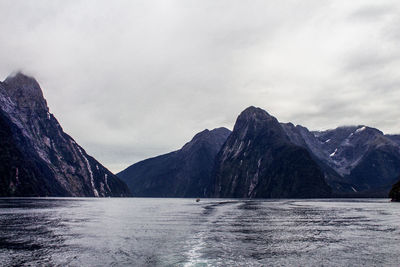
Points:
[[133, 79]]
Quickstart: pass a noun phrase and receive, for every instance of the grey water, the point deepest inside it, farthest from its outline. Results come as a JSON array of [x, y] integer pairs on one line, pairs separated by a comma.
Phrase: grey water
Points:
[[212, 232]]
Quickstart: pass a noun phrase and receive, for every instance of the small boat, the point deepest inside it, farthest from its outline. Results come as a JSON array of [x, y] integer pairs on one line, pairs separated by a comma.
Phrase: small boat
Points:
[[198, 200]]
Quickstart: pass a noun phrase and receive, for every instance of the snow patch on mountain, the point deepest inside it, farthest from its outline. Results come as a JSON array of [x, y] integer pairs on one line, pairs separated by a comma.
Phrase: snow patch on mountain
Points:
[[360, 129]]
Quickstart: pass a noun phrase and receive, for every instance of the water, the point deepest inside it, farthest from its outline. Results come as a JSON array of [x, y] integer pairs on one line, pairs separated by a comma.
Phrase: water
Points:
[[212, 232]]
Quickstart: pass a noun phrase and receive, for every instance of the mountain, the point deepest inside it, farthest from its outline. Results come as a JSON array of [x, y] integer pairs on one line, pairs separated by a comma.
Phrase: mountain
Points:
[[394, 137], [263, 158], [395, 191], [258, 160], [363, 156], [182, 173], [364, 161], [36, 157], [301, 136]]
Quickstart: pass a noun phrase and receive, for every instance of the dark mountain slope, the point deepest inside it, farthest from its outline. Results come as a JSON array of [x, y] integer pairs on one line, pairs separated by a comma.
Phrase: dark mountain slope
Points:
[[395, 191], [258, 160], [183, 173], [378, 168], [36, 157], [394, 137]]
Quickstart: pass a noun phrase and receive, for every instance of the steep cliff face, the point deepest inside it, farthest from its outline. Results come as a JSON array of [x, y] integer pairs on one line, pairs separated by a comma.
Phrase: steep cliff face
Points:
[[183, 173], [36, 157], [259, 161]]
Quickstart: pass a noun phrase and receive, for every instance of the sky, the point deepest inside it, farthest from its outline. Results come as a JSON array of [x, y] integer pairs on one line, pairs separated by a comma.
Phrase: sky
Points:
[[134, 79]]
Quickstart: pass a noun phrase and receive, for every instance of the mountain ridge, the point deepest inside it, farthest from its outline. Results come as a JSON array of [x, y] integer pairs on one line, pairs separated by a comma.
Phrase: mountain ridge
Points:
[[355, 161], [261, 157]]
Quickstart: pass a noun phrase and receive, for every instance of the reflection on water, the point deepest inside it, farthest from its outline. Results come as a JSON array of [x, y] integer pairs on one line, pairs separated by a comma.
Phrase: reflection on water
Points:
[[212, 232]]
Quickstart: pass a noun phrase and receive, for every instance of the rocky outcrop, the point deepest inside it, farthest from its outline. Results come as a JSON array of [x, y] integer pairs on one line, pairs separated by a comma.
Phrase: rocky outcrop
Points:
[[395, 192], [36, 157], [258, 160], [182, 173]]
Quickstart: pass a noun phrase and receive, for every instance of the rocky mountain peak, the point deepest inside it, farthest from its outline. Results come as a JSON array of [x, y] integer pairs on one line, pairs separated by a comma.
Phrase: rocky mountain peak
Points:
[[201, 134], [254, 113], [258, 160], [222, 131], [25, 91], [215, 137], [255, 121]]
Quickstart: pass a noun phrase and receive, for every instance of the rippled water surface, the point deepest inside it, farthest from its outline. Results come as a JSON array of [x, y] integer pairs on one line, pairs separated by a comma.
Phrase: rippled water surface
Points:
[[212, 232]]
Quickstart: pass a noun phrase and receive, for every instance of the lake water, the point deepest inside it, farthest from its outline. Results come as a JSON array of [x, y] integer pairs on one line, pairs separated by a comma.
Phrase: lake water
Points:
[[212, 232]]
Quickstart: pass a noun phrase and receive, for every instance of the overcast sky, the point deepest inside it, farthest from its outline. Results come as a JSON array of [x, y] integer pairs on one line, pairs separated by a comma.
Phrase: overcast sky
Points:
[[133, 79]]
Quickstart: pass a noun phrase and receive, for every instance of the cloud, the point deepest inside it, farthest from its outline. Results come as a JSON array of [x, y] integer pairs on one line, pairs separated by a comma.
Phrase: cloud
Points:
[[373, 12], [133, 79]]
